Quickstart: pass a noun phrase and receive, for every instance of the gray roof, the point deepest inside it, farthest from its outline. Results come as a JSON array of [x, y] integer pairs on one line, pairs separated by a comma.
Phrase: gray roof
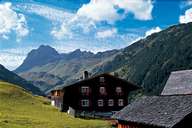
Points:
[[58, 87], [179, 82], [162, 111], [75, 82]]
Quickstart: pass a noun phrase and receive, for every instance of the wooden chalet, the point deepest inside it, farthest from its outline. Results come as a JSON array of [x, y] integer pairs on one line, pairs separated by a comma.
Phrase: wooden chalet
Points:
[[102, 93], [157, 112], [179, 82]]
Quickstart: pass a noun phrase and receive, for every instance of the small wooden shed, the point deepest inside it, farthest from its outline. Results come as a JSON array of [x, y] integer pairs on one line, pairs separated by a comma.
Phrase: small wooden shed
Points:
[[56, 96]]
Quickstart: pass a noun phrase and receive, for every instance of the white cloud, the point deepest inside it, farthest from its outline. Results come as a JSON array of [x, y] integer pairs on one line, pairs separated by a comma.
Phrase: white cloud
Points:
[[187, 17], [56, 16], [75, 26], [105, 10], [11, 61], [99, 10], [12, 21], [151, 31], [13, 57], [106, 33], [62, 32], [5, 37], [141, 9], [185, 4], [86, 21], [189, 2], [85, 25], [95, 11], [49, 13], [68, 25], [147, 33], [65, 23]]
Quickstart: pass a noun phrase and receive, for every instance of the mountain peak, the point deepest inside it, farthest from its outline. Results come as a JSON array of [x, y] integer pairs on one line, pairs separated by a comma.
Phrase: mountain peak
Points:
[[37, 57], [1, 66], [77, 51], [46, 49], [78, 54]]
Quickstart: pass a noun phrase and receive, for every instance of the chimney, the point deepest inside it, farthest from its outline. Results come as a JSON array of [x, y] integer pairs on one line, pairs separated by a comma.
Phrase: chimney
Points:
[[86, 75], [116, 74]]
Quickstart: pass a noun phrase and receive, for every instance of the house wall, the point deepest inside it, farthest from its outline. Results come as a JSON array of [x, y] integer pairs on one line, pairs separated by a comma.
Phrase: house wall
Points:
[[124, 124], [73, 95], [57, 98]]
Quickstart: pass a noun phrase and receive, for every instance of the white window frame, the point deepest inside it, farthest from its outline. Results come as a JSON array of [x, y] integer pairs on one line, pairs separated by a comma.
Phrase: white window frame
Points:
[[110, 102], [120, 102], [102, 90], [85, 103], [100, 103], [102, 79], [119, 90], [85, 89]]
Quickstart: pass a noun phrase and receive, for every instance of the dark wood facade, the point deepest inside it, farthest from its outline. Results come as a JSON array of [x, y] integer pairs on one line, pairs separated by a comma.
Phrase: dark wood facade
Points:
[[102, 93]]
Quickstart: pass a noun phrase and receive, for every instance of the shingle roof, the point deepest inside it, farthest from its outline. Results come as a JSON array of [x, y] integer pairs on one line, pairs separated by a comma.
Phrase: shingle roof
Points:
[[179, 82], [163, 111], [59, 87], [131, 85]]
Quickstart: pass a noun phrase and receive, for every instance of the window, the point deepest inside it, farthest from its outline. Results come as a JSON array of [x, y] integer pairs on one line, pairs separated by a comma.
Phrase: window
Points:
[[102, 90], [85, 90], [101, 79], [118, 90], [110, 102], [85, 103], [100, 103], [120, 102]]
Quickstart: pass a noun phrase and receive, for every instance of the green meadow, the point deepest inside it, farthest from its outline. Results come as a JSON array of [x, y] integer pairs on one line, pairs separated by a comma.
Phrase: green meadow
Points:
[[20, 109]]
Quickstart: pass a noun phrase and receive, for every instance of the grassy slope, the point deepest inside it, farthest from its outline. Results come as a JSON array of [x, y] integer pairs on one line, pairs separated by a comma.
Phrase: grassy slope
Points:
[[19, 109]]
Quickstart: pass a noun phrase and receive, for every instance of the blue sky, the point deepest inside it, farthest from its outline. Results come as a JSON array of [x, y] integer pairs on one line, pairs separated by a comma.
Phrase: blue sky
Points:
[[92, 25]]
